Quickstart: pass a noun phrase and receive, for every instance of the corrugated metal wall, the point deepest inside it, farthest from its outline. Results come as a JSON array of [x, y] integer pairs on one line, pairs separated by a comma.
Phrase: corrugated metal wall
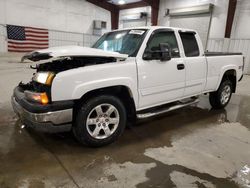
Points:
[[215, 45], [56, 38], [89, 40], [3, 35], [232, 45], [60, 38]]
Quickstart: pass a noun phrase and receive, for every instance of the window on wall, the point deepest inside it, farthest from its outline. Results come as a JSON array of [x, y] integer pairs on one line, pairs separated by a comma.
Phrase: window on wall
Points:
[[190, 44], [164, 37]]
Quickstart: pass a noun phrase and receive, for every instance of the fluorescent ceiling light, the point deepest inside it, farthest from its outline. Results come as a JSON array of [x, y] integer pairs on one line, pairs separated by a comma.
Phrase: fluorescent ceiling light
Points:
[[121, 2]]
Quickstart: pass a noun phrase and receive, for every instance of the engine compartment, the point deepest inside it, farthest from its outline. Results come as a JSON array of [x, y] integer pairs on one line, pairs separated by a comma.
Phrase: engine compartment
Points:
[[60, 65], [68, 63]]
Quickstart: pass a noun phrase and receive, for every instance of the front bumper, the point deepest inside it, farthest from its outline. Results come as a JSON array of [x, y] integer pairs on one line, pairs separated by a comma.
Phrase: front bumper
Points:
[[40, 118]]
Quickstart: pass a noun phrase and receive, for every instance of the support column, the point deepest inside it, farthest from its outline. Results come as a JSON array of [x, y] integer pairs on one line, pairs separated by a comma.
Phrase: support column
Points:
[[155, 12], [230, 17], [114, 19]]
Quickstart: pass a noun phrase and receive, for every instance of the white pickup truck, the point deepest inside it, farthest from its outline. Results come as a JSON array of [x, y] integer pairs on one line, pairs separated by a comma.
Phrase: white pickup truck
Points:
[[127, 74]]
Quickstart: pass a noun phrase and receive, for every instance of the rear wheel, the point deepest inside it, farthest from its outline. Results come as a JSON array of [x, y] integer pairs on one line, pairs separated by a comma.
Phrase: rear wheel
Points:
[[100, 121], [222, 96]]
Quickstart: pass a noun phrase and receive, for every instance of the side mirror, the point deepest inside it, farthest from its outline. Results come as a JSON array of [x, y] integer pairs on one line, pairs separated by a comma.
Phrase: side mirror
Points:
[[163, 53]]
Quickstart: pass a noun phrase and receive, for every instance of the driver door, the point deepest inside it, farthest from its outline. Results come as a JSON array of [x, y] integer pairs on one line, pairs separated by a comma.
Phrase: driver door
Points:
[[161, 82]]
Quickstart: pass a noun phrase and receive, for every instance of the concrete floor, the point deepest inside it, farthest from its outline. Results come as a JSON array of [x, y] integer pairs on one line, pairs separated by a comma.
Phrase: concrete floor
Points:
[[191, 147]]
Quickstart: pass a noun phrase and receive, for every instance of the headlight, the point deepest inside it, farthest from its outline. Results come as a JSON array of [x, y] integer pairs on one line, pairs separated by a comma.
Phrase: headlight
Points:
[[37, 97], [44, 77]]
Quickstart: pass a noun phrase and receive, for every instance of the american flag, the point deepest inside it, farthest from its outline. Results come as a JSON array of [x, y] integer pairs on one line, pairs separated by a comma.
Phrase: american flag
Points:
[[26, 39]]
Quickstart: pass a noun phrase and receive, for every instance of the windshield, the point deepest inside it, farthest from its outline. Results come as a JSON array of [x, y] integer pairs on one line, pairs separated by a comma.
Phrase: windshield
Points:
[[124, 42]]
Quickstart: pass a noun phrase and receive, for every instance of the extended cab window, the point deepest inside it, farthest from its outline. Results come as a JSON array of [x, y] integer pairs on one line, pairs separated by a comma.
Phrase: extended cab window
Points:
[[190, 45], [164, 37]]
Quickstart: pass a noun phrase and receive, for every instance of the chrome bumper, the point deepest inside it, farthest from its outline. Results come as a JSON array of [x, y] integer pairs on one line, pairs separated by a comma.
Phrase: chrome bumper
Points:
[[55, 117]]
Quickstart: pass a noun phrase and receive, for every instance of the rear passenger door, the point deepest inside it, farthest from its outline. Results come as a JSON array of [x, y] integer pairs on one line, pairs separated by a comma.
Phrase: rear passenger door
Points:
[[195, 63]]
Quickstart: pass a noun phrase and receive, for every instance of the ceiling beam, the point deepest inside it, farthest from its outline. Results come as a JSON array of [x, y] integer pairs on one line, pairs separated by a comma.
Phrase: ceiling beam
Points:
[[115, 19], [103, 4], [230, 17], [114, 9], [133, 5]]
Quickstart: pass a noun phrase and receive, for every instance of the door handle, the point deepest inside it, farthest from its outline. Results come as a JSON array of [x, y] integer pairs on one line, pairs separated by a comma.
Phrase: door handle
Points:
[[180, 66]]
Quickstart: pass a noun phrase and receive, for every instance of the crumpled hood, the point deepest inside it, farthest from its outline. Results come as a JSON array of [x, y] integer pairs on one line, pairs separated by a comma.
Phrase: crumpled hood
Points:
[[71, 51]]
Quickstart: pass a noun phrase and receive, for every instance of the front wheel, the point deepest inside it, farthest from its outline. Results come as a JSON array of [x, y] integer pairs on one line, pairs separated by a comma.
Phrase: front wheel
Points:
[[220, 98], [100, 121]]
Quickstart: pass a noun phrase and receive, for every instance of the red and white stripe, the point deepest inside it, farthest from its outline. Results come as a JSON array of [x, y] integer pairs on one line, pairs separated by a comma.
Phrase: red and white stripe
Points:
[[36, 38]]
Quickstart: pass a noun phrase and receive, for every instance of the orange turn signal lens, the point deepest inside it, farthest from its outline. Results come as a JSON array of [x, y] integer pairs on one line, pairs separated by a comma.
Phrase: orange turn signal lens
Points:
[[37, 97], [44, 98]]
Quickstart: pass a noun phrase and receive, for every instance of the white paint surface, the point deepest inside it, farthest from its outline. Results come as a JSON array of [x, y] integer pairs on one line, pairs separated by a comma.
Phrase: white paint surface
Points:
[[65, 51]]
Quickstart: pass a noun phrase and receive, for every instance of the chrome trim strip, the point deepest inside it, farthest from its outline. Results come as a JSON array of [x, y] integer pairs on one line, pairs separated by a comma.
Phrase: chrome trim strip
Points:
[[168, 109], [56, 117]]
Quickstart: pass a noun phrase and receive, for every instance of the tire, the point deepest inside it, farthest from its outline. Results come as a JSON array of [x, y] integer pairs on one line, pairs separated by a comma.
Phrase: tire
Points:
[[220, 98], [99, 121]]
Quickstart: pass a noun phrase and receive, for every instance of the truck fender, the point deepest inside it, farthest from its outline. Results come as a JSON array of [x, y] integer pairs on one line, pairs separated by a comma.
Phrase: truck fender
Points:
[[223, 71], [86, 87]]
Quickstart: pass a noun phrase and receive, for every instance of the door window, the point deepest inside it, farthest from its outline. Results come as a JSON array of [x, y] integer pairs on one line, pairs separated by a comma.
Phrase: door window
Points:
[[190, 45], [164, 37]]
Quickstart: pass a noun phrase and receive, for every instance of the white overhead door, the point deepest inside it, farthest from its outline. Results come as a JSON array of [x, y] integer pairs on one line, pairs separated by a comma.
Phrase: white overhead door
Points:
[[199, 22]]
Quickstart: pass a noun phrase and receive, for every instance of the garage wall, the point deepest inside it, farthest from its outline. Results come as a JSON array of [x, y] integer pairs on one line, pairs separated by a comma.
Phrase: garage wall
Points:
[[127, 17], [219, 15], [3, 44], [241, 27], [240, 36], [68, 20], [241, 30], [61, 38], [200, 23]]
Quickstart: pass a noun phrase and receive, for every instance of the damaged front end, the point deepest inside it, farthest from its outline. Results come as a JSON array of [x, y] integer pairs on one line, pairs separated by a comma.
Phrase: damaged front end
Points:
[[39, 89], [52, 61], [32, 101]]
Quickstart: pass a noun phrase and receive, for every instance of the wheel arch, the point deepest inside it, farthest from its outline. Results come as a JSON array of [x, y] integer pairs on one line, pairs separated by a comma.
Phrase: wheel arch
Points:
[[123, 92], [229, 74]]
